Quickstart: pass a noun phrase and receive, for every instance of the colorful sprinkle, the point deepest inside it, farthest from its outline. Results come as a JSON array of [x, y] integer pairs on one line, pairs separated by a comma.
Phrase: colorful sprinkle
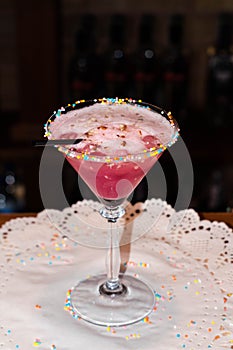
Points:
[[134, 264], [110, 329], [37, 342], [157, 296], [133, 336], [68, 306], [191, 323], [196, 281], [146, 320], [217, 337]]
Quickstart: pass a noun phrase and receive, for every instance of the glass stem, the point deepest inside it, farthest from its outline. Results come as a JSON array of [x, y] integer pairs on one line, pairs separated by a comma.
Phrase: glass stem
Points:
[[113, 286], [113, 259]]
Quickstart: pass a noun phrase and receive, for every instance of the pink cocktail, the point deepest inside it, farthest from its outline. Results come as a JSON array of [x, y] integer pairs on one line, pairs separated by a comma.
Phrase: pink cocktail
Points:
[[119, 140]]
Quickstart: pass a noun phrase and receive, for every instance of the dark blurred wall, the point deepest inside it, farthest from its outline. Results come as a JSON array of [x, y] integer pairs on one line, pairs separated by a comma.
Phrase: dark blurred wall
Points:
[[38, 42]]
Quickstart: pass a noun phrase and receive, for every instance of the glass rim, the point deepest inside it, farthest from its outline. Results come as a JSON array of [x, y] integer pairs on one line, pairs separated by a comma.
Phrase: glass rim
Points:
[[146, 153]]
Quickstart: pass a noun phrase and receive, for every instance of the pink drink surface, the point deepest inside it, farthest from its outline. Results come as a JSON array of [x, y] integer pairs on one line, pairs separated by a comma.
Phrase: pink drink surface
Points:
[[113, 156]]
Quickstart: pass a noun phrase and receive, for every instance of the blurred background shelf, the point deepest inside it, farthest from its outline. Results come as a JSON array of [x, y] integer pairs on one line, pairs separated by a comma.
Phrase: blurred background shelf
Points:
[[176, 54]]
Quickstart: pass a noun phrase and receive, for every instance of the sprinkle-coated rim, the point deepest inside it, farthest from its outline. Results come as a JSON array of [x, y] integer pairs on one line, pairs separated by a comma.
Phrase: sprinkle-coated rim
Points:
[[154, 151]]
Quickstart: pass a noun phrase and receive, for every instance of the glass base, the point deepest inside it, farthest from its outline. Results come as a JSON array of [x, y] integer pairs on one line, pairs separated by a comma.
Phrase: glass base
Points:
[[90, 303]]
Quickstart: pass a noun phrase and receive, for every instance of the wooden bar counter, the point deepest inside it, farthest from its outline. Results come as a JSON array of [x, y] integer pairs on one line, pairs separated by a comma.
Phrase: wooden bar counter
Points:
[[223, 217]]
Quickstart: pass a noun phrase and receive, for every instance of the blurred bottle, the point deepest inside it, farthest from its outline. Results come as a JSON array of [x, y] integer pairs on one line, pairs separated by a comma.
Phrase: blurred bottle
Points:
[[146, 77], [116, 74], [12, 189], [215, 194], [220, 75], [175, 69], [84, 67]]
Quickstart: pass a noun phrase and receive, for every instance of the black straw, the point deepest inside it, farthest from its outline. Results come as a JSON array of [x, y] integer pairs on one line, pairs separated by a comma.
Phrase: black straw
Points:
[[45, 143]]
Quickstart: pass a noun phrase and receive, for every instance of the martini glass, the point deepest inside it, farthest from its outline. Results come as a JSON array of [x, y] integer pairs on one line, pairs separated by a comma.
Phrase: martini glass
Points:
[[119, 140]]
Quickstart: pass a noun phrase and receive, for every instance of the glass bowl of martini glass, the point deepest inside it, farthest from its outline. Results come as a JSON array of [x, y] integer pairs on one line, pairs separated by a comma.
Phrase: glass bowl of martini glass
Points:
[[112, 143]]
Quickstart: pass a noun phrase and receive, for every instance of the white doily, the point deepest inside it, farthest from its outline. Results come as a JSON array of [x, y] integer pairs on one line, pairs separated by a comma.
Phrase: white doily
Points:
[[188, 262]]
